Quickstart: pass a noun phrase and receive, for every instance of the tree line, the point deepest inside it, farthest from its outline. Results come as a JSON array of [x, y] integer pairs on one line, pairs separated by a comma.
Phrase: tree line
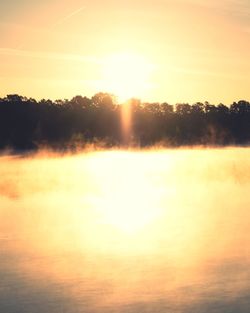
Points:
[[69, 124]]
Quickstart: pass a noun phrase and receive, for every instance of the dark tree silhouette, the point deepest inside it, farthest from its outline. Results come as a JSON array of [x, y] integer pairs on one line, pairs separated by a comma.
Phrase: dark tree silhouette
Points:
[[66, 124]]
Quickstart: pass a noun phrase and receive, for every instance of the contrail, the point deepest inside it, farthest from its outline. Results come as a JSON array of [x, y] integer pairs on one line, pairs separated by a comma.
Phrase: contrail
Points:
[[65, 18], [60, 21]]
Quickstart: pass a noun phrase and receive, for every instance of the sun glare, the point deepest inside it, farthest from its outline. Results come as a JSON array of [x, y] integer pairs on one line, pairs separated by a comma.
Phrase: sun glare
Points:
[[128, 209], [127, 202], [126, 75]]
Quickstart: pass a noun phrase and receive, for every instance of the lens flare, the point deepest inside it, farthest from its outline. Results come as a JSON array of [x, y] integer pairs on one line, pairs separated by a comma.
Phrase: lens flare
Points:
[[126, 120]]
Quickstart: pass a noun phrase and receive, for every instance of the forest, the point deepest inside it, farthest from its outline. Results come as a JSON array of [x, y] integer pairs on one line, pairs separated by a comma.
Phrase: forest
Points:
[[27, 124]]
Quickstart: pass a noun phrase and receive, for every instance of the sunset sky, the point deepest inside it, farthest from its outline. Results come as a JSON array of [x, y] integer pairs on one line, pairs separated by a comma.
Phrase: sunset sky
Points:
[[161, 50]]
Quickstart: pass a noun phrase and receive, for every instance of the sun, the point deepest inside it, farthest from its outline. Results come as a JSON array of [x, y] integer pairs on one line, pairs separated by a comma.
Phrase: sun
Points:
[[127, 75]]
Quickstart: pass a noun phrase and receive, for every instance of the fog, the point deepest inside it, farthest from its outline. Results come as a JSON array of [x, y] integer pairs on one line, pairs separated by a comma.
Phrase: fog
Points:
[[125, 231]]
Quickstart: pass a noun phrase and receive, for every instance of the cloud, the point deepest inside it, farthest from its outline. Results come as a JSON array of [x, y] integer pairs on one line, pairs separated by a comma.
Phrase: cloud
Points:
[[49, 55], [237, 8]]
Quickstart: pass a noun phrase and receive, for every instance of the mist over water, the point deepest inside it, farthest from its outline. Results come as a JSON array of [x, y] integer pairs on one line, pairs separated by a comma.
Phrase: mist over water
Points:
[[126, 231]]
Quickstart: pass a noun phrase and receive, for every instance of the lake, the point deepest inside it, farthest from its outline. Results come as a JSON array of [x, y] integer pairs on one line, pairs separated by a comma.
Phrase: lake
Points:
[[152, 231]]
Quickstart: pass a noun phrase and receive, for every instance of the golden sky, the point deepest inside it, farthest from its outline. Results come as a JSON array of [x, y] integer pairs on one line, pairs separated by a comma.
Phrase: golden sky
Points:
[[157, 50]]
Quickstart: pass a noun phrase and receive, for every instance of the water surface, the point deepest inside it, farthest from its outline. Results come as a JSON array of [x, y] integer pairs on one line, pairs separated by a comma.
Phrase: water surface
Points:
[[126, 231]]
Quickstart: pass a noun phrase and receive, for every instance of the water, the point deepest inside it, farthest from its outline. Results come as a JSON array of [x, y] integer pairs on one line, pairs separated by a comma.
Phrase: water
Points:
[[130, 232]]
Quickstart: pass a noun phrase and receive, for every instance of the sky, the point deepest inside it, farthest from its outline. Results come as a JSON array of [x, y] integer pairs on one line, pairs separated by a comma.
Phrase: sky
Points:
[[157, 50]]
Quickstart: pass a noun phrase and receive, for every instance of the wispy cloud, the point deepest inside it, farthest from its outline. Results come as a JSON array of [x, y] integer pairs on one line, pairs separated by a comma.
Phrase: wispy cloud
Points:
[[49, 55], [237, 11], [193, 72], [239, 8]]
